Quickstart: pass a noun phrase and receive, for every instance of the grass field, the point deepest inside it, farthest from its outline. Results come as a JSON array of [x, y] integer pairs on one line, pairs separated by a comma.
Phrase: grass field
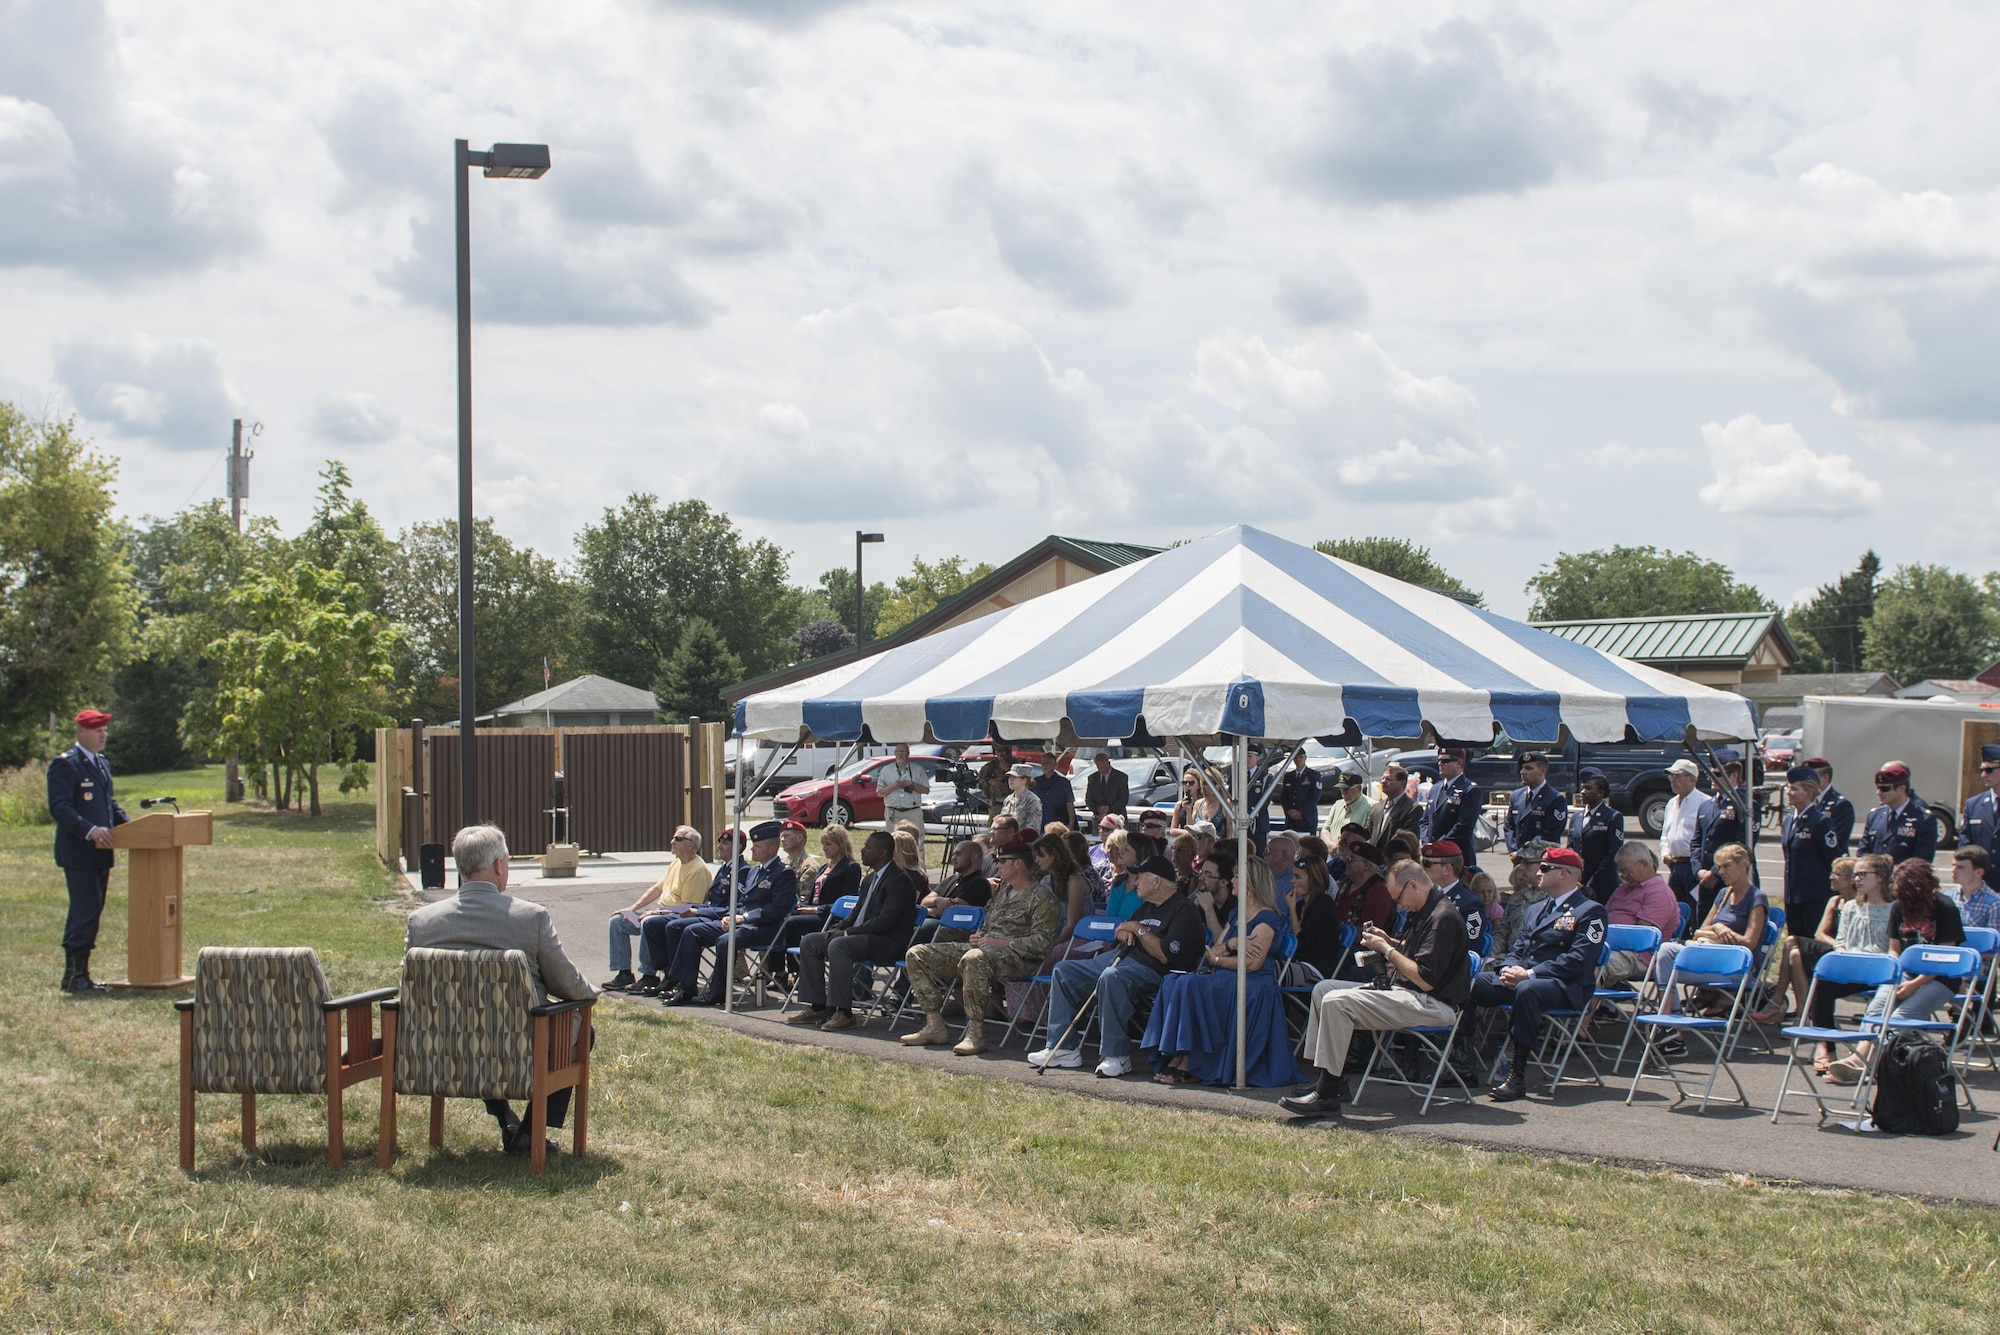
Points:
[[739, 1185]]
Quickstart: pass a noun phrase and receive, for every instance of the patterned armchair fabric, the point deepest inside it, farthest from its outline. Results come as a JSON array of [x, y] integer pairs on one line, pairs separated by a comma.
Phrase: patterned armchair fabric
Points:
[[463, 1028], [258, 1023]]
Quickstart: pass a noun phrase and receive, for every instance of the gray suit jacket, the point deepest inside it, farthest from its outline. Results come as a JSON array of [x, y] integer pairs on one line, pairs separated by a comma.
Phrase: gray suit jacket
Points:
[[479, 917]]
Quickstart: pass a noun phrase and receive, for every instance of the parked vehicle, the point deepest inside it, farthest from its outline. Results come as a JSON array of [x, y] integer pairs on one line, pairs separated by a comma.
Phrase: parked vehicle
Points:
[[851, 796], [1779, 749]]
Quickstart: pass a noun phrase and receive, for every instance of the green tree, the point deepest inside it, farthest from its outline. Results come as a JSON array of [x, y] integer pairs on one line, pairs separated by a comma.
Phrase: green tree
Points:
[[836, 589], [345, 538], [817, 639], [1399, 558], [1929, 621], [691, 682], [1828, 627], [524, 609], [305, 668], [647, 568], [927, 585], [1637, 582], [67, 607]]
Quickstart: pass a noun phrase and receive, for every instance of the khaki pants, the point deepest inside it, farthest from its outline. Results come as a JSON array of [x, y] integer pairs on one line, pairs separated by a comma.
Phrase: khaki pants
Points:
[[1340, 1007], [979, 973], [1622, 966]]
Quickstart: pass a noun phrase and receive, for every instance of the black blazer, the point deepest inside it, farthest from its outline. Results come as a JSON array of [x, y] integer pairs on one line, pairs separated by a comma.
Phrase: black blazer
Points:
[[843, 878], [888, 907], [1112, 789]]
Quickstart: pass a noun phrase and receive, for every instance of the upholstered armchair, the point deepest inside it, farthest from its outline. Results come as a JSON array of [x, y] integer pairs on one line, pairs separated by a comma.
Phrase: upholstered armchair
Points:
[[465, 1025], [263, 1021]]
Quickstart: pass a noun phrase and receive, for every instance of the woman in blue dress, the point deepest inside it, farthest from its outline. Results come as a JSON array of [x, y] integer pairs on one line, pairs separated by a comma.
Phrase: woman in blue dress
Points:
[[1192, 1032]]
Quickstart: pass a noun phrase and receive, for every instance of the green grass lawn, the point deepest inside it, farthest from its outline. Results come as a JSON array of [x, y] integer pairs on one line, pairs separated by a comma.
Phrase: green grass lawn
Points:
[[740, 1185]]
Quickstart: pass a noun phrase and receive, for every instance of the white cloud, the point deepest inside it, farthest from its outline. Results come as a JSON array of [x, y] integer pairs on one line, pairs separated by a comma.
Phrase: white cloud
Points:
[[353, 419], [170, 391], [1767, 469]]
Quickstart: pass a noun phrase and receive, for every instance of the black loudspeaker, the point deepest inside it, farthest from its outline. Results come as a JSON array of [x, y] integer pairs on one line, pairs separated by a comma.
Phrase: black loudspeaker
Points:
[[431, 863]]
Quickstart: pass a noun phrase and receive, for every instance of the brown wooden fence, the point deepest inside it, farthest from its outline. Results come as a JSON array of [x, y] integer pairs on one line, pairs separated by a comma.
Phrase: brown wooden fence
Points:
[[625, 788]]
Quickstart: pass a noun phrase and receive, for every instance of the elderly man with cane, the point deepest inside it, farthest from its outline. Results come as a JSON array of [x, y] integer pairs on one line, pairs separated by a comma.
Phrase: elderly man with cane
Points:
[[1163, 934]]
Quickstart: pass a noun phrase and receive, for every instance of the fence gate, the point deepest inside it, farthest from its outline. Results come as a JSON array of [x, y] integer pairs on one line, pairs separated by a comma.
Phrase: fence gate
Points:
[[517, 784], [627, 790]]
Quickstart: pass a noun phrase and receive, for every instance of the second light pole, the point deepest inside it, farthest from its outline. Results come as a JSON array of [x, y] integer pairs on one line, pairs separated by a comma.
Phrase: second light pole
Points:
[[861, 587], [513, 162]]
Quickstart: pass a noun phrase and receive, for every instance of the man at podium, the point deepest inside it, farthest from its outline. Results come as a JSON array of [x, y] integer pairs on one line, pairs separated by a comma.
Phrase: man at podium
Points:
[[81, 802]]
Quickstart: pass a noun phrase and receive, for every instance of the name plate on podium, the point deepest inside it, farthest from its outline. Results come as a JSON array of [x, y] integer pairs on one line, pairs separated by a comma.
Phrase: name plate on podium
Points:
[[153, 845]]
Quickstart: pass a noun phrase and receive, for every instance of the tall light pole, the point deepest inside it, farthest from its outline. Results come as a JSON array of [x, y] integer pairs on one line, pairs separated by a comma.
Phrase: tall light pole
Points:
[[513, 162], [861, 588]]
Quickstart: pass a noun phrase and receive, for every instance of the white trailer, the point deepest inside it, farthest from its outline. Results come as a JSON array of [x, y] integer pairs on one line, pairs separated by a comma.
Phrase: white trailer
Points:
[[1861, 733]]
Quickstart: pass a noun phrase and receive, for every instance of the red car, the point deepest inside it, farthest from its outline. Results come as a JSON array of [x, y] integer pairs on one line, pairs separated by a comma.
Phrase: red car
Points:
[[814, 801]]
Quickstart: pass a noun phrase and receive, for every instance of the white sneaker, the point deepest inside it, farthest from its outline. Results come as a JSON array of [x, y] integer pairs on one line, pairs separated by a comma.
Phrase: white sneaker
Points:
[[1112, 1067], [1063, 1059]]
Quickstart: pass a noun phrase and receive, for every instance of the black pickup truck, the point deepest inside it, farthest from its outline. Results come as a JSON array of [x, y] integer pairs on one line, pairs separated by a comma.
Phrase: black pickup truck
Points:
[[1638, 773]]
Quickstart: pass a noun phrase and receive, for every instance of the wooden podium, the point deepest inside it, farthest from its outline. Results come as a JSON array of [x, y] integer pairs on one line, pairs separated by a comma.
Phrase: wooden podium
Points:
[[153, 845]]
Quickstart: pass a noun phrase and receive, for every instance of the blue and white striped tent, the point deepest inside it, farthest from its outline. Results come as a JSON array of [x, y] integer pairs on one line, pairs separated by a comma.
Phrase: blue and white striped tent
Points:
[[1243, 632]]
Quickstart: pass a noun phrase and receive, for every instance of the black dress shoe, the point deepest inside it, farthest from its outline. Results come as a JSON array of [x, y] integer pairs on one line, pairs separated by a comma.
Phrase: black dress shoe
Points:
[[519, 1143], [647, 986], [674, 993], [1310, 1105], [705, 999]]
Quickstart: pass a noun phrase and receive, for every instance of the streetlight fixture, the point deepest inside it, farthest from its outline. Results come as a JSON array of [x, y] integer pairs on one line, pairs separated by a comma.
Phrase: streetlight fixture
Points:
[[514, 162], [860, 588]]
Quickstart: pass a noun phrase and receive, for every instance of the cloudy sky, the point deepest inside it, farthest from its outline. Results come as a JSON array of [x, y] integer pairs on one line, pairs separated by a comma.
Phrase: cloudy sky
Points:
[[1507, 280]]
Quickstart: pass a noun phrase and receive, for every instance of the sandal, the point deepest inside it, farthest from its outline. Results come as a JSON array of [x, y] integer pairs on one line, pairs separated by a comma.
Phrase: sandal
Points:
[[1775, 1015], [1175, 1075], [1846, 1071]]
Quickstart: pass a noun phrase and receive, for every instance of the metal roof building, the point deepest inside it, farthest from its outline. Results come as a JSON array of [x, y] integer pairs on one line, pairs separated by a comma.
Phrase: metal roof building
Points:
[[1728, 649]]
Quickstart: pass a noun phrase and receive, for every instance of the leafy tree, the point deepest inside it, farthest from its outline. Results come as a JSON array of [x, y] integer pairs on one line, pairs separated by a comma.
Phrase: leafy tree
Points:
[[1399, 558], [306, 667], [1929, 621], [836, 586], [524, 609], [345, 538], [647, 568], [1829, 626], [67, 607], [817, 639], [927, 585], [691, 682], [1637, 582]]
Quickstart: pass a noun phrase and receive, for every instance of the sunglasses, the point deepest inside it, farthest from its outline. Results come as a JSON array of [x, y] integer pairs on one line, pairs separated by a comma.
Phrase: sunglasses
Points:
[[1550, 866], [1008, 857], [683, 839], [1988, 769], [1887, 787]]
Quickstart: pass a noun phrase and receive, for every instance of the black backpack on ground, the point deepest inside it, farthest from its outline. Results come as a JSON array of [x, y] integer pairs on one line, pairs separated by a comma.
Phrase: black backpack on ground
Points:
[[1916, 1091]]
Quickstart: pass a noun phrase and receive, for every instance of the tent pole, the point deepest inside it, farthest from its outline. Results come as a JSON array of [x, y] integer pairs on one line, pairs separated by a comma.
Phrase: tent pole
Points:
[[1243, 818]]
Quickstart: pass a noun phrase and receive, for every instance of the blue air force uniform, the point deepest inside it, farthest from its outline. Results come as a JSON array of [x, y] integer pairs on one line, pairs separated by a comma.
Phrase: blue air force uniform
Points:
[[1979, 822], [1811, 845], [1908, 832], [1539, 813], [1597, 834], [1299, 791], [80, 800], [1452, 812], [767, 897], [1561, 943], [1840, 813]]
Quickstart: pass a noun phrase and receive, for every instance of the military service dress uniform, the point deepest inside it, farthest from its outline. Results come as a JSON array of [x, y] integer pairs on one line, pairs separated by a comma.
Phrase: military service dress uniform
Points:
[[80, 800]]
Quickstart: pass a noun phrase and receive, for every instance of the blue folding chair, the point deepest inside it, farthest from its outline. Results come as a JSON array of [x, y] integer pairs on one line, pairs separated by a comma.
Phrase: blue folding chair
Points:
[[1095, 927], [1426, 1036], [1299, 998], [1980, 994], [1951, 964], [1563, 1026], [1640, 939], [885, 988], [1774, 926], [957, 918], [837, 911], [1687, 915], [1702, 964], [1850, 968]]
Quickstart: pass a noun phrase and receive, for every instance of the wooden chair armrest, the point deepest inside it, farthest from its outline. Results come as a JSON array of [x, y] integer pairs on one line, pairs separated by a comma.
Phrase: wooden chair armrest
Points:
[[392, 1004], [382, 994], [558, 1007], [184, 1003]]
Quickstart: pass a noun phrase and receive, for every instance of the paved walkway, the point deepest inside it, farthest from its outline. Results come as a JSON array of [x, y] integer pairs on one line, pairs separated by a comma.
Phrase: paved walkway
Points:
[[1584, 1122]]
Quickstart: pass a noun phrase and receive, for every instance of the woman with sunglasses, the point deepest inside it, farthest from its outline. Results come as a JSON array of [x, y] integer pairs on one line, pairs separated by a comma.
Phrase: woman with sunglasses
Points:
[[1192, 1031]]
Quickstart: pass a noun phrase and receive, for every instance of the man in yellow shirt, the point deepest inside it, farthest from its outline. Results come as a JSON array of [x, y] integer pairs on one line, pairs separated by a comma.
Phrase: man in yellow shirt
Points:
[[684, 885]]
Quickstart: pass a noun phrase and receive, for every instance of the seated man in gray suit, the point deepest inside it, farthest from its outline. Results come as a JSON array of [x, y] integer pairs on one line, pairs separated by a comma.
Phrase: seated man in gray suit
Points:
[[483, 916]]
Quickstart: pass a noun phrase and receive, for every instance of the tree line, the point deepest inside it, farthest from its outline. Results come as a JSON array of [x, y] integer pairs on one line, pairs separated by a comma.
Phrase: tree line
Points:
[[287, 650]]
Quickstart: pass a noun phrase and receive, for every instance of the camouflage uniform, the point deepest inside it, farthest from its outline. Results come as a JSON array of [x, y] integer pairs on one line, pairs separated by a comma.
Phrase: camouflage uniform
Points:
[[1028, 919], [807, 867]]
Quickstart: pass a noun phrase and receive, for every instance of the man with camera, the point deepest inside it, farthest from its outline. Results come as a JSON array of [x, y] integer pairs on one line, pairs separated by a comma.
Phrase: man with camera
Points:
[[1422, 979]]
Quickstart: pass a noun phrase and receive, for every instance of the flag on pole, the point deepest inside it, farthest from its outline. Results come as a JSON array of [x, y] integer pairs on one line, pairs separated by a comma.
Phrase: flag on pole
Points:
[[545, 672]]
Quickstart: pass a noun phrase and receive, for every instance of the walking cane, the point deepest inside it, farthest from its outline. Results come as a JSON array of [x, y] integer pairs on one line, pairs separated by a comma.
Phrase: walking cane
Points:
[[1084, 1010]]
